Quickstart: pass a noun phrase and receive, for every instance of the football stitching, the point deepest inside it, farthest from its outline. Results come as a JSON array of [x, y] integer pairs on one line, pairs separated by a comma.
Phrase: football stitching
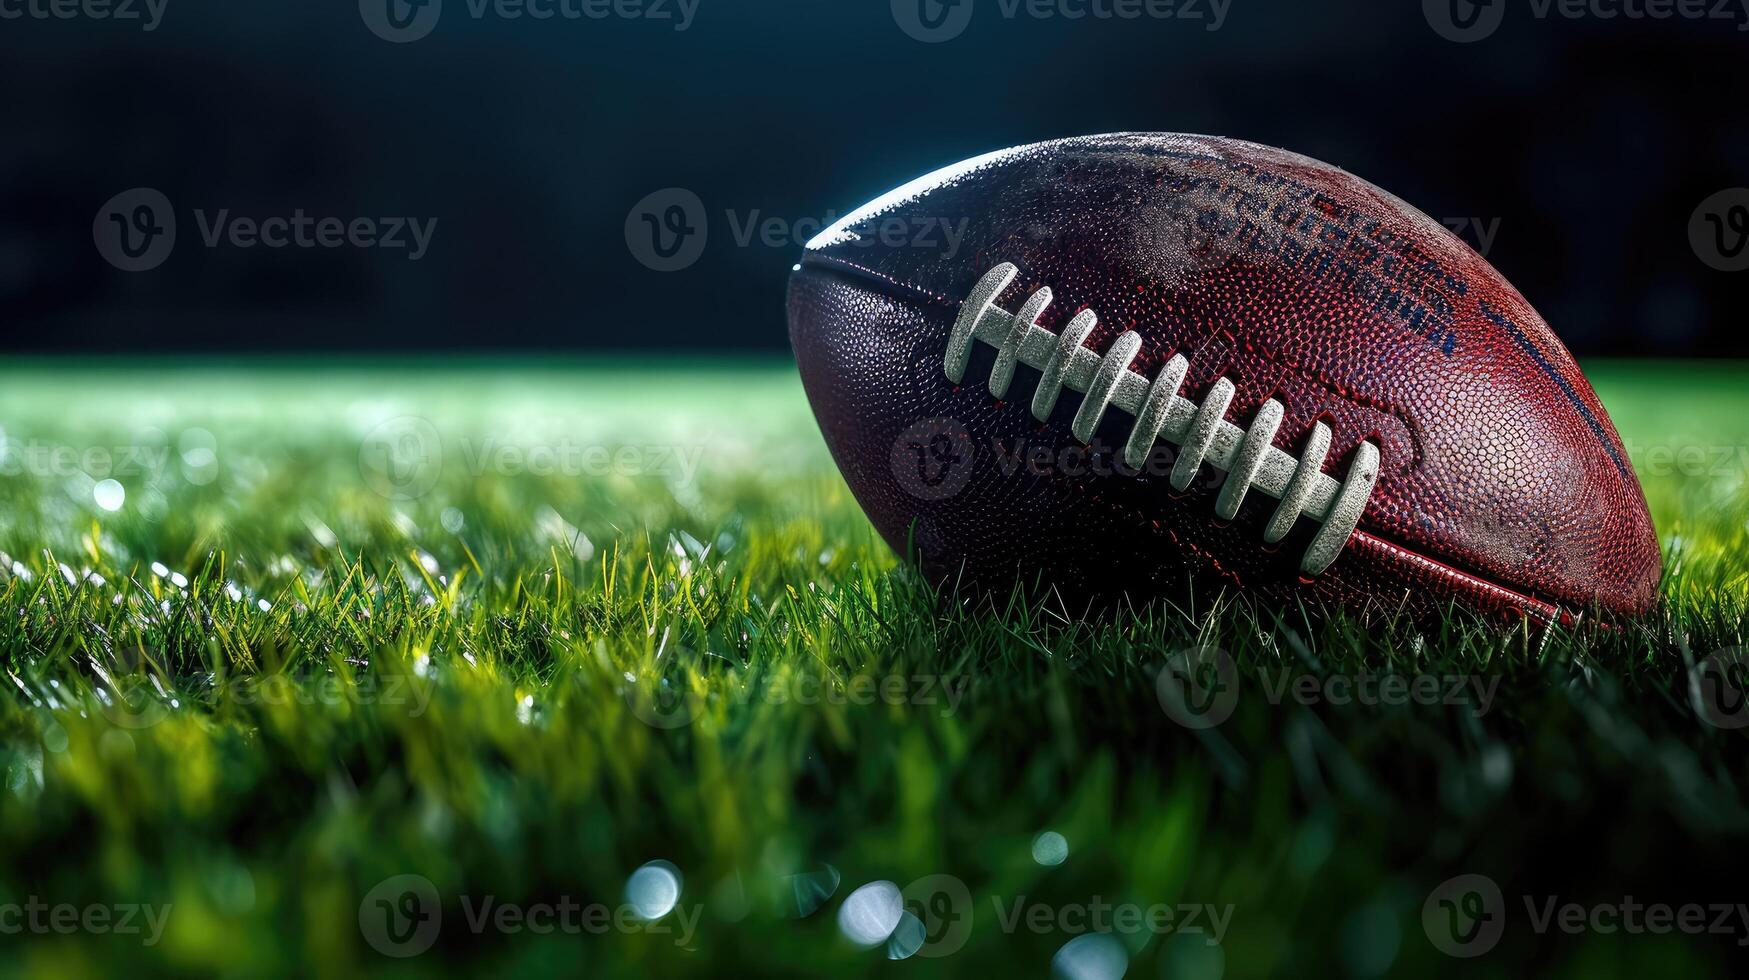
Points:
[[1200, 431]]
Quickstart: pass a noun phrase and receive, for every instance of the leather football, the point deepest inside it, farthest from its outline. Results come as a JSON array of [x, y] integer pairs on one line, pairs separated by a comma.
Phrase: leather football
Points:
[[1118, 367]]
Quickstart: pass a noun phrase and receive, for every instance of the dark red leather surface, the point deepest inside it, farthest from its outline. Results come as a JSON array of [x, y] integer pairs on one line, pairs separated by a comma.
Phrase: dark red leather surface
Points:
[[1503, 482]]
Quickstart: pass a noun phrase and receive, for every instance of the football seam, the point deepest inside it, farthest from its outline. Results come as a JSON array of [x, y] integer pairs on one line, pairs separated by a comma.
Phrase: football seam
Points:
[[1162, 413], [1458, 577]]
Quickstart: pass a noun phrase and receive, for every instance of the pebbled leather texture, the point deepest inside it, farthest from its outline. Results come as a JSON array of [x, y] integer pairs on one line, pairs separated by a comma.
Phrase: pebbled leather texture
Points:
[[1503, 484]]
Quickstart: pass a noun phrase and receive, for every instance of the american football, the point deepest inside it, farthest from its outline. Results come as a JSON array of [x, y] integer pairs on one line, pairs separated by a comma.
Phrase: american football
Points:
[[482, 494], [1150, 360]]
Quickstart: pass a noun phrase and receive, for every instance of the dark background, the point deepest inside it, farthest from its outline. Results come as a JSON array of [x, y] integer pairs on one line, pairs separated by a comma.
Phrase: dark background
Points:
[[1581, 147]]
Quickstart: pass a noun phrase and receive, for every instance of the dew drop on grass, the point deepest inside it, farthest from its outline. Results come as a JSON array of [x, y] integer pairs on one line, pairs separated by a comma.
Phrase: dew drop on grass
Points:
[[653, 890], [1050, 849], [25, 776], [232, 887], [871, 913], [200, 467], [907, 939], [811, 889], [1094, 956], [109, 495]]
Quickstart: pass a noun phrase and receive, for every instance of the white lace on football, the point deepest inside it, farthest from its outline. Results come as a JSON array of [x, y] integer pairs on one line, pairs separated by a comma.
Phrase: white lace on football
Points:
[[1201, 432]]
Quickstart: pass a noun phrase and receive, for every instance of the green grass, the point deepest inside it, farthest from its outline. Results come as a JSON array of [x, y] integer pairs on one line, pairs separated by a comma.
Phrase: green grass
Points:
[[282, 673]]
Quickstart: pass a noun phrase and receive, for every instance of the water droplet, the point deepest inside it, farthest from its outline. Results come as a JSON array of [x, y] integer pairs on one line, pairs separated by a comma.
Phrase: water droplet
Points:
[[907, 939], [109, 495], [1094, 956], [871, 913], [1050, 849], [653, 890]]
